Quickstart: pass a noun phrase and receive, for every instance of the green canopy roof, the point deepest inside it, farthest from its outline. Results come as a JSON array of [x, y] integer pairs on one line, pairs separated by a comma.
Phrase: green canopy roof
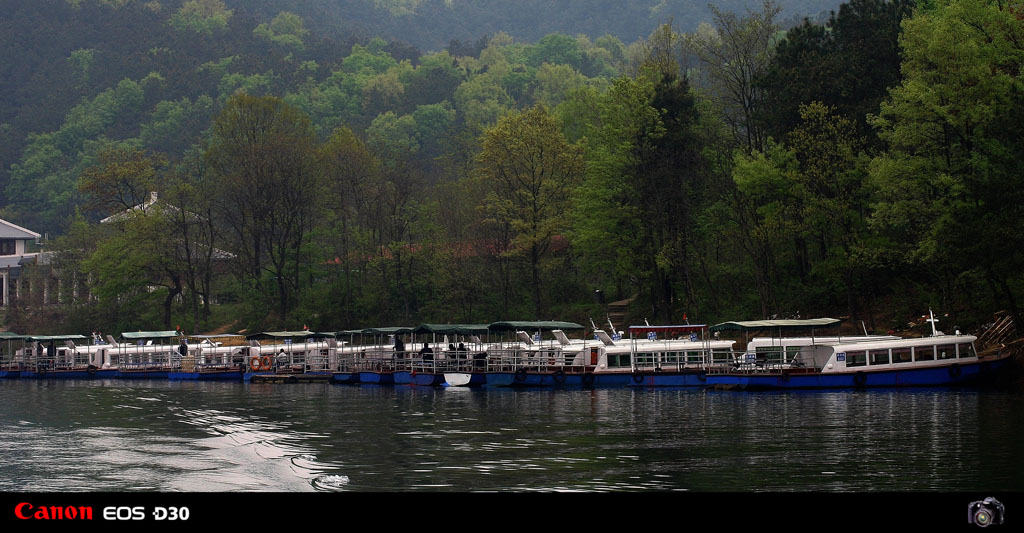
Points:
[[348, 332], [43, 338], [456, 329], [217, 336], [543, 325], [397, 330], [150, 334], [787, 324], [11, 336], [287, 335]]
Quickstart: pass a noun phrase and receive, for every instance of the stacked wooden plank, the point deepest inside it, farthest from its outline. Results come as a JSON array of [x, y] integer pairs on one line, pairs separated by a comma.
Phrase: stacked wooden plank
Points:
[[1001, 331]]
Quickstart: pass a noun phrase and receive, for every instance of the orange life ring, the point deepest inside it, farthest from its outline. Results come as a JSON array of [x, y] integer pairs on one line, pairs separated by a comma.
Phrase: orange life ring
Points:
[[255, 364], [265, 360]]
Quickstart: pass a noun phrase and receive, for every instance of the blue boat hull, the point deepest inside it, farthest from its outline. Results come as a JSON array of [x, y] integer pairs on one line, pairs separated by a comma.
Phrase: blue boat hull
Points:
[[377, 378], [696, 378], [347, 378], [956, 374], [206, 376], [500, 379], [555, 379], [424, 379], [402, 377], [10, 374], [612, 379], [74, 374], [144, 374]]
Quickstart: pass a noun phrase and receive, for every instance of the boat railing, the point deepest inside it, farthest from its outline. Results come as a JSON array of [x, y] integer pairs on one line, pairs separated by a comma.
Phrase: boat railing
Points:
[[374, 361], [344, 362], [149, 365], [761, 362], [552, 359], [459, 361], [318, 361], [50, 364], [215, 366]]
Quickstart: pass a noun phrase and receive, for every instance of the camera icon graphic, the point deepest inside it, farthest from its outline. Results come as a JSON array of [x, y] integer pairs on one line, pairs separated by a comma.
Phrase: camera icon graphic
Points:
[[985, 513]]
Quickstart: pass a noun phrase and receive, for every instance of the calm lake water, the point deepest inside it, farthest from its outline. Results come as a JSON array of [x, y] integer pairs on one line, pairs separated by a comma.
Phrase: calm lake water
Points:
[[114, 435]]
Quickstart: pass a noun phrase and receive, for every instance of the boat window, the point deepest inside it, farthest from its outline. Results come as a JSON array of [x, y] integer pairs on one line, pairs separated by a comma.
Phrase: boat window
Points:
[[856, 358], [879, 357], [946, 351], [924, 353], [966, 350], [901, 355], [769, 354], [694, 357], [721, 356]]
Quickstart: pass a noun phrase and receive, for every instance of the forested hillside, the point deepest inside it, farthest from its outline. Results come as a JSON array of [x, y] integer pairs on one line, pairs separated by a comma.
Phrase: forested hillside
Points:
[[343, 164]]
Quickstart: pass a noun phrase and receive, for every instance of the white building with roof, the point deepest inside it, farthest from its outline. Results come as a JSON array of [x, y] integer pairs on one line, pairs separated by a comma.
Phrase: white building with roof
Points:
[[13, 243]]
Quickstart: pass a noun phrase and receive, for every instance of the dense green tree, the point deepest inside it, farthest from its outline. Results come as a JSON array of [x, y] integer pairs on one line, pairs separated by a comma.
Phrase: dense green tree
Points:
[[949, 195], [848, 63], [43, 180], [270, 194], [285, 30], [174, 126], [555, 49], [733, 54], [635, 215], [201, 16], [481, 101], [187, 208], [120, 186], [530, 169]]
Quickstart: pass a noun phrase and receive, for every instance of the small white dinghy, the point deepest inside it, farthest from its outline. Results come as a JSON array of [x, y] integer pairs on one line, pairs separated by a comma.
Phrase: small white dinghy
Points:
[[457, 379]]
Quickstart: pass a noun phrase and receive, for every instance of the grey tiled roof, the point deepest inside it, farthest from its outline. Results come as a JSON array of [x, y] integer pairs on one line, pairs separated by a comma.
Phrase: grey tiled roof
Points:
[[12, 231]]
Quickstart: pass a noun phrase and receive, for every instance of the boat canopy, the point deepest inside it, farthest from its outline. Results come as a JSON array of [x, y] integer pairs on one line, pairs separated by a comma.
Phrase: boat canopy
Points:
[[668, 330], [11, 336], [220, 336], [304, 334], [786, 324], [349, 332], [150, 334], [397, 330], [454, 329], [44, 338], [543, 325]]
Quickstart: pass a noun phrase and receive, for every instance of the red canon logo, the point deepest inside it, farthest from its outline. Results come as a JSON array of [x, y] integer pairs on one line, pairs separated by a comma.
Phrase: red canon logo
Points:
[[26, 511]]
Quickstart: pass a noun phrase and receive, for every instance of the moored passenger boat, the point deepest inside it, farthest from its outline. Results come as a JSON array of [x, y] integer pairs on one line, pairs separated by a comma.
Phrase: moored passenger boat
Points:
[[220, 357], [937, 360], [13, 355], [666, 356], [343, 368], [290, 356], [144, 355], [450, 354], [58, 357], [531, 361], [376, 363]]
